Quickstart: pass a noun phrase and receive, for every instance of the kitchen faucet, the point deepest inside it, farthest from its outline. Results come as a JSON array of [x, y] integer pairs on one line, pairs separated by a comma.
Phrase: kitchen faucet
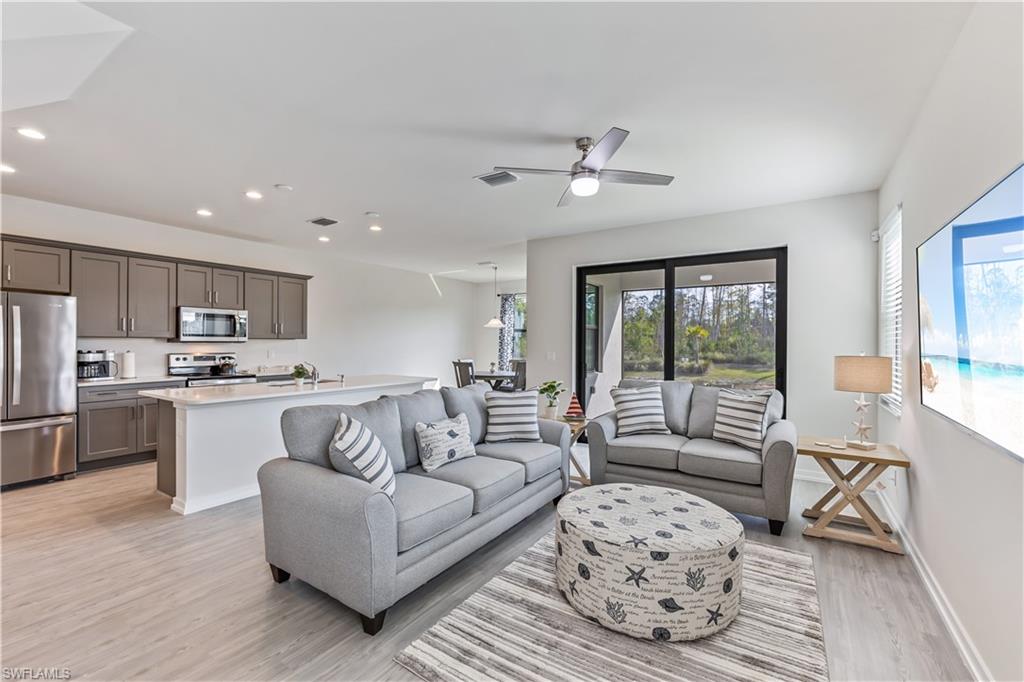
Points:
[[314, 372]]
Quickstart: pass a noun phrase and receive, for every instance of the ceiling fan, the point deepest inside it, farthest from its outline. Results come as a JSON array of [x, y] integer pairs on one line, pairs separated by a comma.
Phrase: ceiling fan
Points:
[[587, 174]]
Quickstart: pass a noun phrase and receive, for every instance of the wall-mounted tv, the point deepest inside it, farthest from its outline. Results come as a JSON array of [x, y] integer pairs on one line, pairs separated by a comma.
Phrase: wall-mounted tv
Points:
[[970, 278]]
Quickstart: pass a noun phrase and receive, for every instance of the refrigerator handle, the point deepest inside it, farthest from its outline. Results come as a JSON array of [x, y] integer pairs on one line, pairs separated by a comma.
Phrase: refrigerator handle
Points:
[[3, 358], [16, 354]]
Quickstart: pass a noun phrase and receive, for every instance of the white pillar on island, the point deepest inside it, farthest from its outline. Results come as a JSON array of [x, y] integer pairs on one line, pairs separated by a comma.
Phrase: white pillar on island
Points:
[[223, 434]]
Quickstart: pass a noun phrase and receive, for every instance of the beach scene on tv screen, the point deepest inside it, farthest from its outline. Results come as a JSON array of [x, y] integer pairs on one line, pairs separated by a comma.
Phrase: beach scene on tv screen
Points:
[[971, 285]]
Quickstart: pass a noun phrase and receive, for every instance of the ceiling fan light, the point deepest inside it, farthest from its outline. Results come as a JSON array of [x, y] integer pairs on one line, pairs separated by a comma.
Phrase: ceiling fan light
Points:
[[585, 184]]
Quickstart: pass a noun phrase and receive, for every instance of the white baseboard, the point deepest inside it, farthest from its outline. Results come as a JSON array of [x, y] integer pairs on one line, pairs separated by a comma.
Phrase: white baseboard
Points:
[[968, 652]]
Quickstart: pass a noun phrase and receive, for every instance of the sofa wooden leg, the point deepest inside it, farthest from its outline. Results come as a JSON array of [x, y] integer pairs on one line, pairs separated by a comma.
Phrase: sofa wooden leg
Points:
[[280, 575], [555, 500], [775, 526], [372, 626]]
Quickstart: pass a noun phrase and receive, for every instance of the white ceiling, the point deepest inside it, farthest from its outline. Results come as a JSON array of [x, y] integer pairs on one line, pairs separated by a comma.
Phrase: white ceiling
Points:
[[395, 107]]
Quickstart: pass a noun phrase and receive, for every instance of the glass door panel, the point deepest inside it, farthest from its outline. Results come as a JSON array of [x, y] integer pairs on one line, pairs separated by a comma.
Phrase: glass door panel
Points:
[[725, 324]]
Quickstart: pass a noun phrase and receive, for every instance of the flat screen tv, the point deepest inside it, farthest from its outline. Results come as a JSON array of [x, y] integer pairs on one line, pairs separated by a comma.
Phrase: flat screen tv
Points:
[[970, 278]]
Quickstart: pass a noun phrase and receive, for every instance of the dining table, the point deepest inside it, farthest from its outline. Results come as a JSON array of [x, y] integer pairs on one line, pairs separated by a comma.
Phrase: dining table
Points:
[[495, 377]]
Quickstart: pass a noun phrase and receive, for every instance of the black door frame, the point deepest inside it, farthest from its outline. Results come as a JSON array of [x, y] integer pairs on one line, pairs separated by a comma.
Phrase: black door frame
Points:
[[668, 266]]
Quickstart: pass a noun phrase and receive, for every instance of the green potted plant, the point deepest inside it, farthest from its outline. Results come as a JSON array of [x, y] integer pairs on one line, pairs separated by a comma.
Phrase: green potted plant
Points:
[[550, 390], [299, 374]]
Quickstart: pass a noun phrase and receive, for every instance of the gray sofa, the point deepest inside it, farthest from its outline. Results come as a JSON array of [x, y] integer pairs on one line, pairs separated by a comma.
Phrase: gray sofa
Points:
[[740, 480], [366, 550]]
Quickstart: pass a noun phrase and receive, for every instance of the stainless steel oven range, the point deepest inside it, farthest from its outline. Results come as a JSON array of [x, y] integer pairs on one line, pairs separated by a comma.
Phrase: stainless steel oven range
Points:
[[207, 369]]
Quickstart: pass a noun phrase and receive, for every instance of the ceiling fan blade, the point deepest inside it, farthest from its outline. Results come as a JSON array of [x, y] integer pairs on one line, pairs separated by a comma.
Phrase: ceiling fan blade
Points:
[[532, 171], [566, 197], [604, 149], [634, 177]]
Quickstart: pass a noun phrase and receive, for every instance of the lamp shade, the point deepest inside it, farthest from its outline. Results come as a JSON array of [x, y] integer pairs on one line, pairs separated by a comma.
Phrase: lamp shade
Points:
[[862, 374]]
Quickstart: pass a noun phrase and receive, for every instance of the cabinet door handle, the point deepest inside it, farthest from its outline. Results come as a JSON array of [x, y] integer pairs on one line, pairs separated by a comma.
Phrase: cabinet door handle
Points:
[[120, 325], [131, 413], [209, 296], [216, 297], [131, 324], [8, 272]]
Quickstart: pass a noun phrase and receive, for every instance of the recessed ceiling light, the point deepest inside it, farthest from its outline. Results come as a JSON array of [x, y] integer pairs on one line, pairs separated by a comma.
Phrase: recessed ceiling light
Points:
[[254, 194], [4, 168], [375, 228], [706, 278], [284, 188], [31, 133], [324, 239], [374, 221], [205, 212]]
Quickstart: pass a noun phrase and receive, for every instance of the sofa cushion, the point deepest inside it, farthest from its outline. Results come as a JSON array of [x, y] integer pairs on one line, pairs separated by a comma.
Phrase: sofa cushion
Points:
[[660, 451], [308, 430], [491, 480], [468, 400], [426, 507], [421, 406], [724, 461], [443, 442], [702, 412], [537, 458], [675, 395]]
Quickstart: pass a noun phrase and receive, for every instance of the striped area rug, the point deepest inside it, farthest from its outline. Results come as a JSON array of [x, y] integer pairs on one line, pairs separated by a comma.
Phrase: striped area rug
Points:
[[519, 627]]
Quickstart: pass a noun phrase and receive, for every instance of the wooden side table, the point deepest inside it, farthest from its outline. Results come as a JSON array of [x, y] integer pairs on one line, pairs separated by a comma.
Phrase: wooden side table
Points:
[[576, 429], [850, 487]]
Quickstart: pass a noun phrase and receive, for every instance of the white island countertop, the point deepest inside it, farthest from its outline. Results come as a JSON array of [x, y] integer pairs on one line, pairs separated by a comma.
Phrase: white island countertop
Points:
[[234, 393]]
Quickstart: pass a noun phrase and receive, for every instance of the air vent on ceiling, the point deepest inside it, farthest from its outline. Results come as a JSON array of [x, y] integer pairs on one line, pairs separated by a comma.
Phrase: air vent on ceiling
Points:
[[497, 178], [323, 222]]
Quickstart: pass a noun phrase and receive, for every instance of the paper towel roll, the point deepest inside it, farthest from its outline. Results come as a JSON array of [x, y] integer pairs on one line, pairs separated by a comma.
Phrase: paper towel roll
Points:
[[128, 365]]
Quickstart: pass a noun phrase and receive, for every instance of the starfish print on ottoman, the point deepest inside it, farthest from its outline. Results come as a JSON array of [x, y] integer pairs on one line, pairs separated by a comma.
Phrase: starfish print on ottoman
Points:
[[657, 513], [713, 616], [637, 541], [572, 588], [637, 576], [581, 510]]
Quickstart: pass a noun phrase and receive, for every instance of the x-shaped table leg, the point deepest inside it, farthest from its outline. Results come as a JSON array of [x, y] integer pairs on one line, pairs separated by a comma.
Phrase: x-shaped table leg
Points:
[[815, 511]]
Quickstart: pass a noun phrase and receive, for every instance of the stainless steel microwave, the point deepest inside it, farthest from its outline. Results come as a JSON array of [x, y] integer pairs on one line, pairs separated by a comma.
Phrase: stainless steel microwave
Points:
[[212, 324]]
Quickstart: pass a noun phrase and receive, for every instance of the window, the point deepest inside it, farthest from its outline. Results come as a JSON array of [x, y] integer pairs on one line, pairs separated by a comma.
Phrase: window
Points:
[[592, 328], [890, 309], [519, 327]]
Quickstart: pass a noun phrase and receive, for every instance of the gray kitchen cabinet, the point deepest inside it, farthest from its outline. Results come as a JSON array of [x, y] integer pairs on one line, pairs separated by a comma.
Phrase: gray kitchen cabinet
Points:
[[195, 286], [107, 429], [100, 281], [31, 267], [291, 308], [261, 302], [228, 289], [152, 293], [148, 424]]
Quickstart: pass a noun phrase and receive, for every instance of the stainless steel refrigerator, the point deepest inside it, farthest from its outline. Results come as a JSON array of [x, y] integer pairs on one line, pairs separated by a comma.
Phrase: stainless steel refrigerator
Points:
[[40, 381]]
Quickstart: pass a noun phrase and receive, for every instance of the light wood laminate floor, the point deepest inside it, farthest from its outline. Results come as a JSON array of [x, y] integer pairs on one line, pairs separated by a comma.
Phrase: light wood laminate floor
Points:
[[101, 577]]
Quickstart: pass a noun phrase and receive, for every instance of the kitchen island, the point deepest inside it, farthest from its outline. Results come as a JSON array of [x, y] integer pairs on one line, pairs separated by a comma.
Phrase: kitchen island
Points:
[[214, 439]]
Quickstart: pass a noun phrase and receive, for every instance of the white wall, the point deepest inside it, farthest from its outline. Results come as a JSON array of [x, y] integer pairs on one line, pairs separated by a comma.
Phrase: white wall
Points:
[[962, 501], [832, 302], [485, 307], [362, 318]]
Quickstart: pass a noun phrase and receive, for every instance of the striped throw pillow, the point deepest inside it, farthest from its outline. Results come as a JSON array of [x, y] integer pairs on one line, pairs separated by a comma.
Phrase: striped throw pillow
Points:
[[363, 450], [639, 410], [511, 417], [739, 418]]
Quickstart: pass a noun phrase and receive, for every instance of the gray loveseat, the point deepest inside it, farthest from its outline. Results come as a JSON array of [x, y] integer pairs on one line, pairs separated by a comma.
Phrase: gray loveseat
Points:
[[366, 550], [731, 476]]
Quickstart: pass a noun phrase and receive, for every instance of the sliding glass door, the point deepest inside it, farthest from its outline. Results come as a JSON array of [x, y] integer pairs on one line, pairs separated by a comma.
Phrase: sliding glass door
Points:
[[717, 320]]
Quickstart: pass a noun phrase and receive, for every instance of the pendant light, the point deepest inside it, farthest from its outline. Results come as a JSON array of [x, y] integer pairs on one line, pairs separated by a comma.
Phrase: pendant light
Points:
[[495, 322]]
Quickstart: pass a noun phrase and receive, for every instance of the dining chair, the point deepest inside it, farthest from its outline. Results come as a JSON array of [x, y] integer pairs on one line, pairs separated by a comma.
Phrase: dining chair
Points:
[[518, 382], [465, 374]]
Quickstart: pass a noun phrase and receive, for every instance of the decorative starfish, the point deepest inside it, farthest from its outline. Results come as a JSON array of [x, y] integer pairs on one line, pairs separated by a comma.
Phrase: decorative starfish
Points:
[[572, 588], [637, 576], [637, 541], [672, 493], [862, 405], [713, 616], [657, 513], [605, 491], [581, 510], [863, 430]]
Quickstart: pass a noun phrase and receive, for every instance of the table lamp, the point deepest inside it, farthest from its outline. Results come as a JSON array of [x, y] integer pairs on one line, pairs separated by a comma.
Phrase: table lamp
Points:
[[862, 374]]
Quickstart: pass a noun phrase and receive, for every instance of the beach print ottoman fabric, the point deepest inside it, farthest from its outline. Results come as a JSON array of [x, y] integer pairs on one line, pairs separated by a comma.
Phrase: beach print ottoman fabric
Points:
[[650, 562], [444, 441]]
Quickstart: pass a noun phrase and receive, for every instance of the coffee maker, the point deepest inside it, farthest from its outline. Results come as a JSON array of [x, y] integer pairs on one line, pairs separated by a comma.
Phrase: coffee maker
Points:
[[96, 365]]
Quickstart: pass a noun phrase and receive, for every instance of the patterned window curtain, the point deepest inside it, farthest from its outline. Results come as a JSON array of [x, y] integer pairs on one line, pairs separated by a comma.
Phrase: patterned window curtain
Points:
[[507, 313]]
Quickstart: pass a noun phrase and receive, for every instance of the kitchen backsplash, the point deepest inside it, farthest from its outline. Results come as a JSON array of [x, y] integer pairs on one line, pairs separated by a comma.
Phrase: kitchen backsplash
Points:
[[151, 354]]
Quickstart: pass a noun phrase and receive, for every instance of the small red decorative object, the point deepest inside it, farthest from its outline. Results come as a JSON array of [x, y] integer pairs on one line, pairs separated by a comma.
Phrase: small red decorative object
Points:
[[575, 410]]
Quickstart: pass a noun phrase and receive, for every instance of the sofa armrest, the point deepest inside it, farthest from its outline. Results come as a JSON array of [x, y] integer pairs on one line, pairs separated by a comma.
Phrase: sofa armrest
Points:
[[599, 432], [333, 531], [557, 433], [778, 462]]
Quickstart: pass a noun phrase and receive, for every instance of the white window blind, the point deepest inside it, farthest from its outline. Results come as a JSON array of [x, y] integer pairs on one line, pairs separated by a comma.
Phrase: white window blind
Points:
[[890, 318]]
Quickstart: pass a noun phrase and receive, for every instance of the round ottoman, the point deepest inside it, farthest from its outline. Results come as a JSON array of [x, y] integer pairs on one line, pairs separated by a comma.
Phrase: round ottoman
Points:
[[650, 562]]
